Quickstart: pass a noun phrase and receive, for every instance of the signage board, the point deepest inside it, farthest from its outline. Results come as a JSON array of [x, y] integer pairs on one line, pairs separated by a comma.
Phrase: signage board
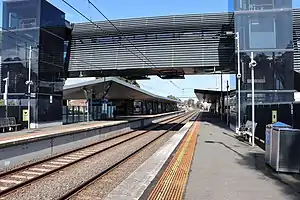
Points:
[[25, 115], [274, 116]]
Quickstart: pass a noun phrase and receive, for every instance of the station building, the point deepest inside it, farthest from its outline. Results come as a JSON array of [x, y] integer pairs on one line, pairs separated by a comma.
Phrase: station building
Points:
[[36, 34]]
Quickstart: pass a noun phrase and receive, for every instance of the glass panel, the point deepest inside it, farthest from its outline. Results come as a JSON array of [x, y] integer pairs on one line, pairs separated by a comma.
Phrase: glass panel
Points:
[[49, 111], [13, 20], [270, 30], [231, 5], [253, 5], [274, 71], [21, 14], [52, 19], [16, 44]]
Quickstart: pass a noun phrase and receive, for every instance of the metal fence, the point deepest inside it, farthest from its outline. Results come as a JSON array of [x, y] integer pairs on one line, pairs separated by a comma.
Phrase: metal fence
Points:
[[75, 114]]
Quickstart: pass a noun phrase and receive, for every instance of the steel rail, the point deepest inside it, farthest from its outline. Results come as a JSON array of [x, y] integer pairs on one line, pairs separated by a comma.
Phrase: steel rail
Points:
[[52, 171], [72, 151], [90, 181]]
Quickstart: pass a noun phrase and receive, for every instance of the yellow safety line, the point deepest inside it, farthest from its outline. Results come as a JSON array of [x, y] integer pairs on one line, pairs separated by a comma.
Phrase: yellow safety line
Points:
[[172, 183]]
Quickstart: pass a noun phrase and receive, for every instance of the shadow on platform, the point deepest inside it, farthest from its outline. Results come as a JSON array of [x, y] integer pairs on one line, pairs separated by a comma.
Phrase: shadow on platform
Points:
[[289, 183], [214, 119]]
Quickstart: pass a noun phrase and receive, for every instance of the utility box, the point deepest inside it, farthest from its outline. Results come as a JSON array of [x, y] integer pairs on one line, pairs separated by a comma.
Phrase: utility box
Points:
[[268, 140], [285, 150]]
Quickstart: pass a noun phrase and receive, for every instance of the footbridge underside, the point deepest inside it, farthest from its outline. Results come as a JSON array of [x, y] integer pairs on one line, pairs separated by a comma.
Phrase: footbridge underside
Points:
[[169, 46]]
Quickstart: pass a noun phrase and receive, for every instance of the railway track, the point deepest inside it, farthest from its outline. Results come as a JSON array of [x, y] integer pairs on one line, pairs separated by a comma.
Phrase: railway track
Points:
[[78, 190], [17, 178]]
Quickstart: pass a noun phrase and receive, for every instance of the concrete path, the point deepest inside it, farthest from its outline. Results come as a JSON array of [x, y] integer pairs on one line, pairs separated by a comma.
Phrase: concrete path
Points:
[[227, 169]]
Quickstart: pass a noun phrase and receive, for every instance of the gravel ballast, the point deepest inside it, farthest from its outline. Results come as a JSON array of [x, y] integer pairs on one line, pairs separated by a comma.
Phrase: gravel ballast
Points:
[[57, 184], [103, 186]]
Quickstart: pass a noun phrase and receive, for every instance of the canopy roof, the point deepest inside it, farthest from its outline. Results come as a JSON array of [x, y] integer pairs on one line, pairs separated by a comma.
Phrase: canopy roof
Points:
[[113, 87]]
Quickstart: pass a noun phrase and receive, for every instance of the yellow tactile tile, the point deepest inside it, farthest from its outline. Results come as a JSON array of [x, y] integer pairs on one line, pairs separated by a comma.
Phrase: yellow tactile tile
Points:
[[172, 183]]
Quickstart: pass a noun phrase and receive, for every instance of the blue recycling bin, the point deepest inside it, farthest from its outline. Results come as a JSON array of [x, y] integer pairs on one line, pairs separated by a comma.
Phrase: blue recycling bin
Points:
[[268, 139]]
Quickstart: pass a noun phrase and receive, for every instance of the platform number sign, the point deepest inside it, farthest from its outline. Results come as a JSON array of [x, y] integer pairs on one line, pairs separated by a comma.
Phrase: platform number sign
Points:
[[274, 116], [25, 115]]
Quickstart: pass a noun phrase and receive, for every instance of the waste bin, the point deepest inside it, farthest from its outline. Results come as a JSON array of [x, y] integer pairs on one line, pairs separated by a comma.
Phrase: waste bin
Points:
[[268, 140], [285, 150]]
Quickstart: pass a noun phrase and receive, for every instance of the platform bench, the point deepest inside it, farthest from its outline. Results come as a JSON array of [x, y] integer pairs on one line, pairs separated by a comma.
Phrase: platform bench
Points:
[[9, 123], [246, 131]]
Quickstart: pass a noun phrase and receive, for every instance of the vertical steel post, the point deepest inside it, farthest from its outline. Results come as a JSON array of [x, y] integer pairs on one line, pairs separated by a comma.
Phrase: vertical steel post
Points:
[[239, 78], [222, 99], [29, 85], [6, 94], [227, 105], [87, 104], [253, 103]]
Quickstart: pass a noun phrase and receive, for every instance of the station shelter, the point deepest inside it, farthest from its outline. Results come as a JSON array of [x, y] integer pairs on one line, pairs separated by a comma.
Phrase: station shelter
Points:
[[105, 98]]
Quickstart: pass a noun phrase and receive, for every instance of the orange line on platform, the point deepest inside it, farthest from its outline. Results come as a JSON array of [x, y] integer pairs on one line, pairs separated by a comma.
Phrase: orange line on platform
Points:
[[172, 183]]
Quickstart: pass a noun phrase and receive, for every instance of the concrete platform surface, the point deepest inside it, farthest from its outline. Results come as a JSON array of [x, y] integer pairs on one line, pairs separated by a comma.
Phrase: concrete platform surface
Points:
[[55, 130], [225, 168]]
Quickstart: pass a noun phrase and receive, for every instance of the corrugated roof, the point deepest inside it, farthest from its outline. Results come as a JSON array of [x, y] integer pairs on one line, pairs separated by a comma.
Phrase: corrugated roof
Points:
[[180, 41]]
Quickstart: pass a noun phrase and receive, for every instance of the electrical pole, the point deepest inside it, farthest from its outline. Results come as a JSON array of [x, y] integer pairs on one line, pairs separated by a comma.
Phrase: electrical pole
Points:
[[29, 83], [222, 98], [239, 78], [252, 64], [227, 103], [86, 94], [6, 94]]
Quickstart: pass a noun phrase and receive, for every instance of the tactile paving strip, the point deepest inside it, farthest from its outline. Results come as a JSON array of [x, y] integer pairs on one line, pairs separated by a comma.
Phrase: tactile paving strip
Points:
[[172, 183]]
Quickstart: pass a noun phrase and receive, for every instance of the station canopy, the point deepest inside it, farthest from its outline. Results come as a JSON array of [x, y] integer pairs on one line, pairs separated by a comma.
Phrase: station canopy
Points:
[[112, 88], [210, 96]]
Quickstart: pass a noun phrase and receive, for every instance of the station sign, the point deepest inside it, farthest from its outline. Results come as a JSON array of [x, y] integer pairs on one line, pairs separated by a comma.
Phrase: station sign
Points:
[[25, 115], [274, 116]]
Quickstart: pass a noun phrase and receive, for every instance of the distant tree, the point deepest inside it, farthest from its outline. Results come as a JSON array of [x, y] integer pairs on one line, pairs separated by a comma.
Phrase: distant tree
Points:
[[191, 102], [172, 97], [198, 104], [185, 102]]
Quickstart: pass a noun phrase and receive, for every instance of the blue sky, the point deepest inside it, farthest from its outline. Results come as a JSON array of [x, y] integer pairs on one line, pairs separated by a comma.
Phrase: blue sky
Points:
[[116, 9]]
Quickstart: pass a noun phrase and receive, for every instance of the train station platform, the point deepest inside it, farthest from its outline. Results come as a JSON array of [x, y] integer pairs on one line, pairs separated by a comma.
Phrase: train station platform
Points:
[[226, 168], [34, 144], [205, 161], [65, 129]]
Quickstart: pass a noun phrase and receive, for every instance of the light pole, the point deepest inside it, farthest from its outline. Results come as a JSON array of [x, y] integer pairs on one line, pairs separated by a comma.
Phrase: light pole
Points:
[[6, 94], [238, 76], [86, 94], [253, 64], [227, 105], [29, 83], [222, 97]]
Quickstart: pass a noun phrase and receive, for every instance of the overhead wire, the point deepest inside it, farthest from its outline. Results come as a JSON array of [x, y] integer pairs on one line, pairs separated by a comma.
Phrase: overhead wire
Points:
[[152, 88], [120, 32], [175, 85], [80, 13]]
